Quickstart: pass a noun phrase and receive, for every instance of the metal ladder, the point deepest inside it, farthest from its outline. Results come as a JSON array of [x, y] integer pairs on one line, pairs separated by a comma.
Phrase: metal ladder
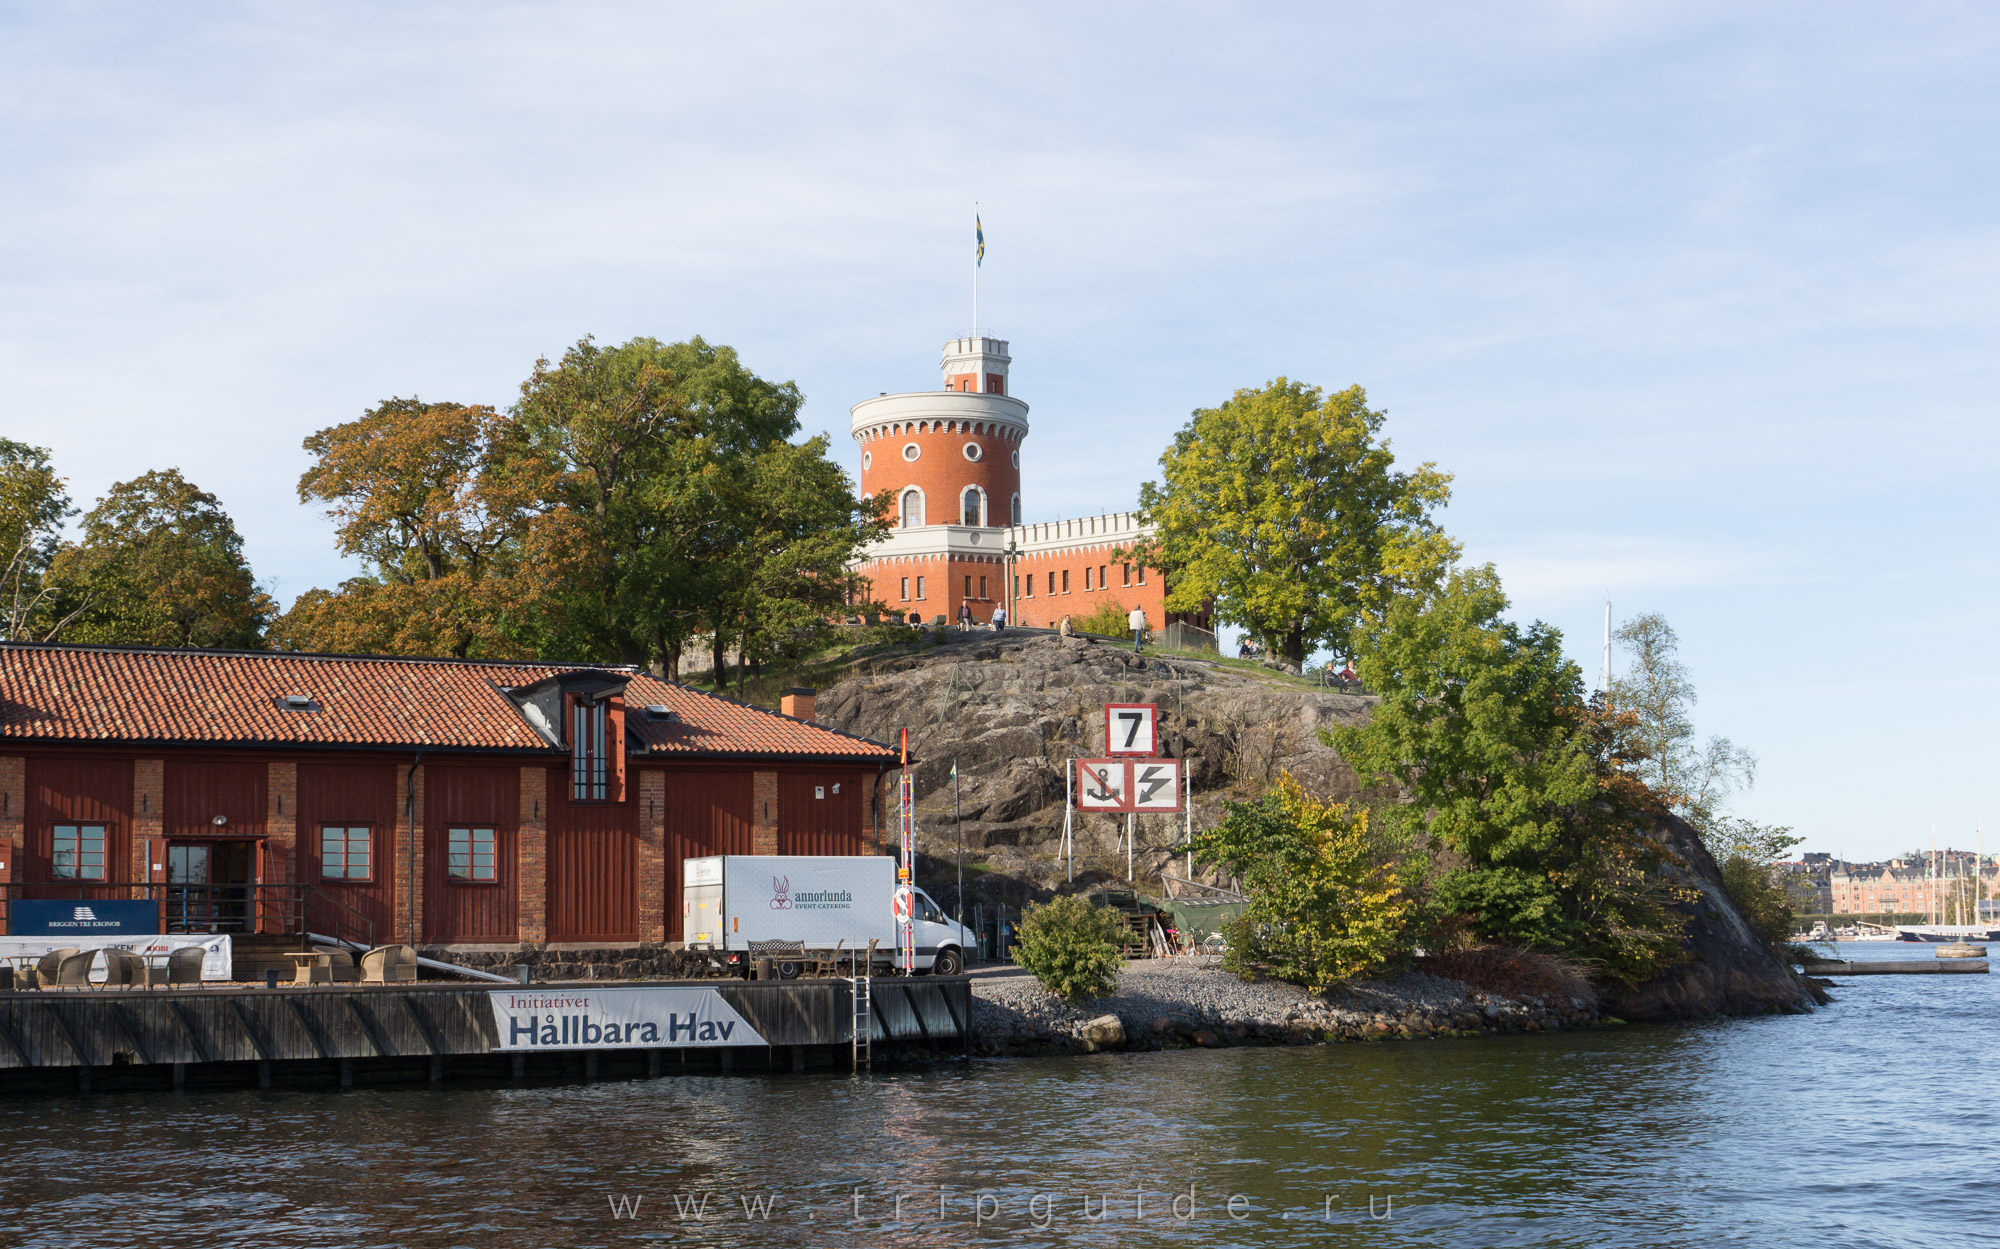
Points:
[[861, 1027]]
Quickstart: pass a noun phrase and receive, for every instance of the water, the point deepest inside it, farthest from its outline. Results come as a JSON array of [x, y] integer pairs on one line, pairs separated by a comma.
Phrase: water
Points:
[[1865, 1124]]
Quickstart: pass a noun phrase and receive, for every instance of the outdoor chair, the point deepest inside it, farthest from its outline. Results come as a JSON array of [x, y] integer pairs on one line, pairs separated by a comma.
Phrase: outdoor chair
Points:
[[73, 972], [184, 965], [340, 964], [828, 962], [389, 964], [45, 966], [122, 967]]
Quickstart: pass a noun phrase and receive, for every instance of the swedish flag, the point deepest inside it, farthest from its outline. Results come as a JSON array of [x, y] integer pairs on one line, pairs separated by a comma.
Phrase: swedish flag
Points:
[[979, 239]]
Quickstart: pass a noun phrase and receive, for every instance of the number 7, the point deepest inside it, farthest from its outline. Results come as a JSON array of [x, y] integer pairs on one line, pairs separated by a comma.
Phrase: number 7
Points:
[[1133, 719]]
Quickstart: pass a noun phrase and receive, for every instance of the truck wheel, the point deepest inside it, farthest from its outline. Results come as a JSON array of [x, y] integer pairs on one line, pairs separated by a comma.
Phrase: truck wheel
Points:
[[949, 962]]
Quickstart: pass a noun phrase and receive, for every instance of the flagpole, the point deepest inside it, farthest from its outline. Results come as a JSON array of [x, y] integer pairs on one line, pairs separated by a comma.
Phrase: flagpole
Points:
[[975, 277]]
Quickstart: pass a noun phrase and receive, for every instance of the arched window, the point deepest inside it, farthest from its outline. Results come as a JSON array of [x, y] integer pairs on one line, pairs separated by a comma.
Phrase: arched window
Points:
[[913, 508], [1017, 509], [969, 507]]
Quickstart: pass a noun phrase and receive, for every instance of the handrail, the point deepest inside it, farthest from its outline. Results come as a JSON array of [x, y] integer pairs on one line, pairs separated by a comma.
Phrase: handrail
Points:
[[270, 909]]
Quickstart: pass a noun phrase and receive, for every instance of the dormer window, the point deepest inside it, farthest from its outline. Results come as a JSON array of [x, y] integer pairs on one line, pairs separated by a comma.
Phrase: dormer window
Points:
[[590, 750]]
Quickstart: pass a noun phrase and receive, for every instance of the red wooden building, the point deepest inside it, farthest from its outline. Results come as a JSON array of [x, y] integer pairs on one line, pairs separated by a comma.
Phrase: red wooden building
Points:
[[438, 802]]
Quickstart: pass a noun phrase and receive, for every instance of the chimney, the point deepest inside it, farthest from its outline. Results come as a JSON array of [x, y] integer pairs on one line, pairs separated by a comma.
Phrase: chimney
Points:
[[797, 703]]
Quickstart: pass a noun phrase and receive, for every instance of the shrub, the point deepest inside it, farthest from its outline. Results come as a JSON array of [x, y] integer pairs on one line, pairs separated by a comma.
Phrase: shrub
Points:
[[1107, 621], [1762, 902], [1071, 946], [1324, 905]]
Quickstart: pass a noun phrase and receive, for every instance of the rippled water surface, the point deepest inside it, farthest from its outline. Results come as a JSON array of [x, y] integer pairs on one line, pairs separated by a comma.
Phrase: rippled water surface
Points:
[[1865, 1124]]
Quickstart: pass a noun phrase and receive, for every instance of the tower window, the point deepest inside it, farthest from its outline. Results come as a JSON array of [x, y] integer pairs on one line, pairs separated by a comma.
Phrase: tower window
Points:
[[1017, 498], [1031, 586], [911, 451], [1065, 581], [968, 585], [1128, 574], [982, 587], [1086, 578], [920, 587], [973, 452], [913, 508], [906, 589], [1102, 583], [969, 506]]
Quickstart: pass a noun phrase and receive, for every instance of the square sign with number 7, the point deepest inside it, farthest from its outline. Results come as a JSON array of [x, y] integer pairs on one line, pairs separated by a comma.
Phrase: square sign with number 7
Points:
[[1131, 729]]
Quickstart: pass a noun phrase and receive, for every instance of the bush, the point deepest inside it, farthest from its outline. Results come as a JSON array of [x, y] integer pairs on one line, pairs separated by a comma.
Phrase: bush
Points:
[[1324, 905], [1107, 621], [1071, 946], [1762, 902]]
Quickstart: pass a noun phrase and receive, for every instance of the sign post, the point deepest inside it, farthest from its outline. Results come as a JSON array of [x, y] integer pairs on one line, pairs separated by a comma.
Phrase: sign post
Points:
[[906, 872]]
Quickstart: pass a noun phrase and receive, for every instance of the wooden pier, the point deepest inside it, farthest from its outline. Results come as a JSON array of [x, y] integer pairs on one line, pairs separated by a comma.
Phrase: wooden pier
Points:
[[344, 1035]]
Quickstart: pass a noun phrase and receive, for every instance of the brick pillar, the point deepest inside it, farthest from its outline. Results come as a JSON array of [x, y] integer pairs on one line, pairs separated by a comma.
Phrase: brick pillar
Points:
[[764, 813], [13, 824], [532, 842], [281, 823], [652, 855], [149, 799], [409, 869]]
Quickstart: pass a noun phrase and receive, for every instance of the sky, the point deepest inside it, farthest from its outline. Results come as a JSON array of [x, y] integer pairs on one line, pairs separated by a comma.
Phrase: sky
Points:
[[1695, 301]]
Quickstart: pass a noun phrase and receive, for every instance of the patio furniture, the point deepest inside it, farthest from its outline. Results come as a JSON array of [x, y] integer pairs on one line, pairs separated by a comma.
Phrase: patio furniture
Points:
[[389, 964], [73, 969], [122, 967], [184, 965], [339, 964], [310, 967], [46, 965]]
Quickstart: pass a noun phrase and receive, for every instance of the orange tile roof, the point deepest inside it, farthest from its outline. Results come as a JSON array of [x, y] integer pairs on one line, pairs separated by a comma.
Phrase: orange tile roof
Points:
[[135, 694]]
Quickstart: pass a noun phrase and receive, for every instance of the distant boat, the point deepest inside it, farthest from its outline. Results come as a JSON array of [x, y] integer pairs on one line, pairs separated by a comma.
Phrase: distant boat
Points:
[[1938, 934]]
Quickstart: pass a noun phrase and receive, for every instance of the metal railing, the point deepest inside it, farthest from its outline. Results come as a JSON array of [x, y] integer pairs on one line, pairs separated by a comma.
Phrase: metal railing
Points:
[[271, 910]]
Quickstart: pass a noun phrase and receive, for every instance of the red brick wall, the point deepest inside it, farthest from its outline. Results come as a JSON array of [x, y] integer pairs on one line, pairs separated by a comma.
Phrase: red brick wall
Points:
[[532, 849], [764, 813], [652, 858], [281, 822], [941, 470], [149, 798]]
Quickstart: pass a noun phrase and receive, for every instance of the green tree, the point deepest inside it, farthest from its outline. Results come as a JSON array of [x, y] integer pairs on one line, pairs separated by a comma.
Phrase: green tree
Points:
[[1544, 834], [1695, 778], [1283, 507], [407, 488], [34, 504], [161, 564], [1071, 947], [1325, 904]]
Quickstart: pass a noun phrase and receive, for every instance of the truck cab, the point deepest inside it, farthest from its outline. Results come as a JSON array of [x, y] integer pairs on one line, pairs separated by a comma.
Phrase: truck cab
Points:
[[941, 941]]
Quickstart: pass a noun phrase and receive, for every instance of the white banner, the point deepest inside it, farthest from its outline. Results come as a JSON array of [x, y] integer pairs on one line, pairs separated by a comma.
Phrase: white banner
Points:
[[618, 1017], [215, 959]]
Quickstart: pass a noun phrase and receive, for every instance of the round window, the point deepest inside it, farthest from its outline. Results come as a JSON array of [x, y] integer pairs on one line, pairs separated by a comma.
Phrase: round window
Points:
[[1017, 459], [868, 459], [972, 451], [910, 451]]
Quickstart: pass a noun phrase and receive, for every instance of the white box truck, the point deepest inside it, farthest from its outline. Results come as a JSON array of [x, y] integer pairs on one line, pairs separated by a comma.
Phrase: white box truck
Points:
[[827, 903]]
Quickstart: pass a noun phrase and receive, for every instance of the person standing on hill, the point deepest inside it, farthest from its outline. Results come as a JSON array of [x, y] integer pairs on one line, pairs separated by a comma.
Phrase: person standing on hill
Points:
[[999, 618], [965, 617], [1137, 622]]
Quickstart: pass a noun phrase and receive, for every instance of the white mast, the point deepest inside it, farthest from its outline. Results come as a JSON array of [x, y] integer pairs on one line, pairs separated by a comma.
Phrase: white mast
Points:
[[1606, 682]]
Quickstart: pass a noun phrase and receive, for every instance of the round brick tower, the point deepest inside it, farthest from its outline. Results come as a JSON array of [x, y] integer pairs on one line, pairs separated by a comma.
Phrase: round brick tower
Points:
[[951, 456]]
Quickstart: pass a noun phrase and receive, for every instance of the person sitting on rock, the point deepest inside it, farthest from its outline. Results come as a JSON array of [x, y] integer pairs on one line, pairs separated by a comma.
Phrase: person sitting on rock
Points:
[[1065, 629]]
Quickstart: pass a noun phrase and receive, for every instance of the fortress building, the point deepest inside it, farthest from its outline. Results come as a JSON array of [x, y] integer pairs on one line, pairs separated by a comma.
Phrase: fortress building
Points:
[[952, 460]]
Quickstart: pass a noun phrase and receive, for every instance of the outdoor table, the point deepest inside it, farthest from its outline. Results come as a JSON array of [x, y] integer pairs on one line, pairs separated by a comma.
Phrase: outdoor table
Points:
[[311, 967]]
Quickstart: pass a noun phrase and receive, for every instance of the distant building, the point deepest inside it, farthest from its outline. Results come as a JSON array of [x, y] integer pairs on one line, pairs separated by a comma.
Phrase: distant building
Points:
[[1903, 885], [951, 459]]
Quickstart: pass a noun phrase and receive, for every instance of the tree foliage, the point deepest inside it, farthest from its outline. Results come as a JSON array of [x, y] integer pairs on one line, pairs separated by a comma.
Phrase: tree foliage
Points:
[[1544, 834], [1284, 507], [160, 564], [1071, 946], [34, 504], [1695, 778], [1325, 904]]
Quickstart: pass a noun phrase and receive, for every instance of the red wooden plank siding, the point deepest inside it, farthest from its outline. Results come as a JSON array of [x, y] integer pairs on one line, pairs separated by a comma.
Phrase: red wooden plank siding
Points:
[[199, 790], [77, 791], [478, 797], [346, 795], [822, 813], [707, 813], [593, 875]]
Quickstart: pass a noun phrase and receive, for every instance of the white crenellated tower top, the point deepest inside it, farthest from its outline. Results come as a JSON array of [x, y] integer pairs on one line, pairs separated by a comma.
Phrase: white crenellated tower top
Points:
[[977, 364]]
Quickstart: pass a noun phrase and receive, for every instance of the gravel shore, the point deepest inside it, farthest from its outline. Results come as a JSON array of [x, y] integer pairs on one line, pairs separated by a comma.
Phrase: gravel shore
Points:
[[1162, 1003]]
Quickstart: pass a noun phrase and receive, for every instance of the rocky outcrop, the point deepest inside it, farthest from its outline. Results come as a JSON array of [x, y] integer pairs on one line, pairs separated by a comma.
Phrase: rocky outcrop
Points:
[[1728, 971], [1013, 709]]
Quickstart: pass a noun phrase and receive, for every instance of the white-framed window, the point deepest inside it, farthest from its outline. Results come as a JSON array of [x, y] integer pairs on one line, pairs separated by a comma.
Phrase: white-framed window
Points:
[[913, 508], [920, 588], [972, 506], [78, 852], [1017, 458], [906, 589], [346, 852], [867, 459], [973, 451], [470, 854], [911, 451]]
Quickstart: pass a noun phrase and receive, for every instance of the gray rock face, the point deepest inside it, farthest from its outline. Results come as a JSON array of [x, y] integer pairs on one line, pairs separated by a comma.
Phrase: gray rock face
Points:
[[1104, 1031], [1015, 709]]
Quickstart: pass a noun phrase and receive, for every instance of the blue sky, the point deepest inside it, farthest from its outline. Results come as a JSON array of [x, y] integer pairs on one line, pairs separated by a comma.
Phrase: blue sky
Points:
[[1696, 301]]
